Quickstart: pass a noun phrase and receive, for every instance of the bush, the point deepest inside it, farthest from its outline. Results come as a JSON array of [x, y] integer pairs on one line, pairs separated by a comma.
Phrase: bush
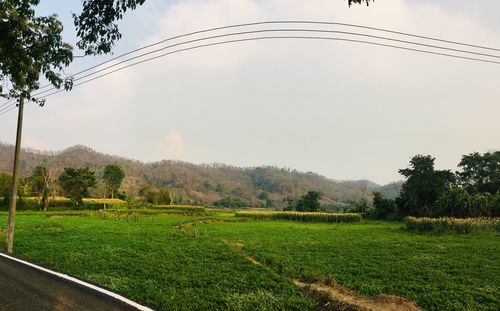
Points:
[[301, 216], [452, 225]]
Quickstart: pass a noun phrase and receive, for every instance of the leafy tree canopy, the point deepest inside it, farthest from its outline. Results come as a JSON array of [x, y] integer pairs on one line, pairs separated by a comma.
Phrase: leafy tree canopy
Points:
[[309, 202], [113, 176], [96, 25], [30, 47], [76, 183], [480, 172], [423, 185]]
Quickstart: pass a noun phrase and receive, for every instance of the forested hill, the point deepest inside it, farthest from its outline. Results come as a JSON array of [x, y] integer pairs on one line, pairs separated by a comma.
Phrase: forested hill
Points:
[[202, 183]]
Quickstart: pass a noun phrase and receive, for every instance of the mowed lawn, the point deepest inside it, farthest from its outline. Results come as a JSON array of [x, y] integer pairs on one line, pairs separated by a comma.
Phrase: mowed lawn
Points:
[[150, 260]]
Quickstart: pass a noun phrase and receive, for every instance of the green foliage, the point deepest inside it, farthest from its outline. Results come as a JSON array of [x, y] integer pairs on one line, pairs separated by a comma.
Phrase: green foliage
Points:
[[309, 202], [301, 216], [76, 183], [113, 175], [452, 225], [5, 186], [154, 195], [423, 185], [230, 202], [96, 26], [383, 208], [457, 202], [480, 172], [219, 188], [30, 47]]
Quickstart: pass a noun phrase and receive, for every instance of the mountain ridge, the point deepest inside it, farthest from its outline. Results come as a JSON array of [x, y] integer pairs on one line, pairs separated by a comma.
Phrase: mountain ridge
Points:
[[203, 183]]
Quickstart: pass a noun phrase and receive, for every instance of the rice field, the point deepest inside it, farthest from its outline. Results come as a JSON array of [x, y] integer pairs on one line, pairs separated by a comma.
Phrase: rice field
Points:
[[301, 216]]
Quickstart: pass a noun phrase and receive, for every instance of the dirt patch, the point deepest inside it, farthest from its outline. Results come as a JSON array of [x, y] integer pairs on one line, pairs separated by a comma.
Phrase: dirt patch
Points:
[[332, 296]]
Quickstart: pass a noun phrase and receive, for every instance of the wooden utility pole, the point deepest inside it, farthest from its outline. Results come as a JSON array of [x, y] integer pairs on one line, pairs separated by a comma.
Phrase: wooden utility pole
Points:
[[13, 197]]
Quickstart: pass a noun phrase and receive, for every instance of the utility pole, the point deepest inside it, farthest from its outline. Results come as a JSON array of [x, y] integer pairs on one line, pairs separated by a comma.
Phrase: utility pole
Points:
[[13, 197]]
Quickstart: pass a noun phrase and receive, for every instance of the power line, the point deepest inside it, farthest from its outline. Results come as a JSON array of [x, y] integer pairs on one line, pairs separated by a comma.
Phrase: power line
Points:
[[264, 31], [270, 37], [280, 22], [2, 111], [263, 38]]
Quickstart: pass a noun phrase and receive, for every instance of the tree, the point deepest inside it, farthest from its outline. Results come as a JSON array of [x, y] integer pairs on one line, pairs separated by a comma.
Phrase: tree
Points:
[[383, 207], [480, 172], [423, 185], [101, 191], [76, 183], [42, 182], [309, 202], [5, 186], [113, 176]]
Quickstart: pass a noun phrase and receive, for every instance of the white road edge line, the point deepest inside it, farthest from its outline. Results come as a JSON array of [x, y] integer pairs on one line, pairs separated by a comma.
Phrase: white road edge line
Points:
[[75, 280]]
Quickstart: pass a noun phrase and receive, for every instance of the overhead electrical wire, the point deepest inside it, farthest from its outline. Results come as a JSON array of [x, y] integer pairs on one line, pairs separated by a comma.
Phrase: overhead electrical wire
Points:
[[37, 93]]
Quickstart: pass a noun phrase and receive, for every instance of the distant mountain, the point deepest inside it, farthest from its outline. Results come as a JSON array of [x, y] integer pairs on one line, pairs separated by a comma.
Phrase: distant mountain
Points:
[[204, 183]]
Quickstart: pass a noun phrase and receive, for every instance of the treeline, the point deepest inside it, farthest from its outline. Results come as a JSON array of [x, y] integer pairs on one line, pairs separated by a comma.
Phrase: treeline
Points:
[[46, 183], [473, 191]]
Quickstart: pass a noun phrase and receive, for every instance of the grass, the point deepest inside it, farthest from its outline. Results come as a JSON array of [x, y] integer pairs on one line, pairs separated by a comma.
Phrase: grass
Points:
[[150, 259]]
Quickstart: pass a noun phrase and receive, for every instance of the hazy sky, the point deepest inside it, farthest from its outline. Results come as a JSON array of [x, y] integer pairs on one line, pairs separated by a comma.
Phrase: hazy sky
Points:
[[344, 110]]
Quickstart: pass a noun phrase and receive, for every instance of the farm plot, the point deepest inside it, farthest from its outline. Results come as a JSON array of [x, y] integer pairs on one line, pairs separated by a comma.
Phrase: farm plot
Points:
[[222, 262]]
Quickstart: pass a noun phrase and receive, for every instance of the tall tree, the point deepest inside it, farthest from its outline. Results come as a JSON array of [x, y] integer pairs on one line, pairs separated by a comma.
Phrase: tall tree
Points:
[[76, 183], [480, 172], [42, 182], [423, 186], [113, 176]]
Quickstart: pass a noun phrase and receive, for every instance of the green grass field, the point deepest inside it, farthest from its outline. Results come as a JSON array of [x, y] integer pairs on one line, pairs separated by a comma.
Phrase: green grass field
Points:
[[154, 259]]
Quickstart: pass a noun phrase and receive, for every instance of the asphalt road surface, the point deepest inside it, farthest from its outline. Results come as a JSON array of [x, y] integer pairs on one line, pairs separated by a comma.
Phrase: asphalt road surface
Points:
[[26, 288]]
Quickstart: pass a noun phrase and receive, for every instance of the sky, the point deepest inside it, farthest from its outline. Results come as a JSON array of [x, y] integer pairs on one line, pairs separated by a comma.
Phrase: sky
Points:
[[343, 110]]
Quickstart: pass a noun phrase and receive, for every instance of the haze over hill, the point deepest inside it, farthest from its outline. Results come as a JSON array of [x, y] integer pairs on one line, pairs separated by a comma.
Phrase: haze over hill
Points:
[[205, 183]]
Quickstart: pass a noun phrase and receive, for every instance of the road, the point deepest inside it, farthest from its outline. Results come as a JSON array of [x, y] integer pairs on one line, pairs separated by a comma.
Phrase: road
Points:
[[26, 288]]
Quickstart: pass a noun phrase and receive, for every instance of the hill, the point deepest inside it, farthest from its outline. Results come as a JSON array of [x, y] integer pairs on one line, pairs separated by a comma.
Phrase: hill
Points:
[[205, 183]]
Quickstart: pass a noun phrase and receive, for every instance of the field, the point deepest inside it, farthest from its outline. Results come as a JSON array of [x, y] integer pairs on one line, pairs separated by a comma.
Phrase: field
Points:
[[219, 262]]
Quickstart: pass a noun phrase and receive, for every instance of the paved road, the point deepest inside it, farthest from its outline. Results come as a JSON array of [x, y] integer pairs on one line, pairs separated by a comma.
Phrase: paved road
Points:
[[26, 288]]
